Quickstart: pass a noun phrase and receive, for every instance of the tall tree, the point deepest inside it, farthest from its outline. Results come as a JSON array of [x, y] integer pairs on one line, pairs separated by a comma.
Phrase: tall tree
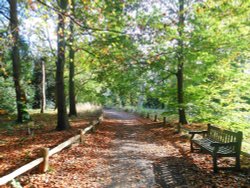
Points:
[[180, 59], [39, 85], [72, 100], [43, 86], [37, 79], [22, 113], [62, 118]]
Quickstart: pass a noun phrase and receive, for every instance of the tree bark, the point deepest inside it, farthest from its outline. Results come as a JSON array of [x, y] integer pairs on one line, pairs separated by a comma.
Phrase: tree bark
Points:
[[39, 84], [20, 94], [37, 77], [43, 87], [180, 92], [72, 99], [62, 118], [180, 95]]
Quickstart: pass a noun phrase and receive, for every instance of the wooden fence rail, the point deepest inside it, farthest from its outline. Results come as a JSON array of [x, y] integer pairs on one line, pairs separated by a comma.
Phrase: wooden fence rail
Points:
[[164, 120], [43, 161]]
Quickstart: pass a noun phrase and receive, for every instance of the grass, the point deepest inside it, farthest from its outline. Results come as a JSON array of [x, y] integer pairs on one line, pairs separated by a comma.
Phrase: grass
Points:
[[88, 109], [85, 111]]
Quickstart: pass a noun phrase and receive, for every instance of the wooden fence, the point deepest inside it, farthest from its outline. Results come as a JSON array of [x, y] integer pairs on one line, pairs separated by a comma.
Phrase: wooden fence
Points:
[[43, 162], [155, 117]]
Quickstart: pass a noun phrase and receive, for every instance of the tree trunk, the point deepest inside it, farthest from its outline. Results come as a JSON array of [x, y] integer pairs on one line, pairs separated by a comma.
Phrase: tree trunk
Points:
[[62, 118], [37, 76], [180, 96], [180, 92], [141, 97], [72, 99], [22, 113], [43, 85], [39, 85]]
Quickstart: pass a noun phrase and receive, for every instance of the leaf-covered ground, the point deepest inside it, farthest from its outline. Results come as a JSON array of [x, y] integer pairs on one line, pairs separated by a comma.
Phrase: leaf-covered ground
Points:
[[18, 147], [128, 151]]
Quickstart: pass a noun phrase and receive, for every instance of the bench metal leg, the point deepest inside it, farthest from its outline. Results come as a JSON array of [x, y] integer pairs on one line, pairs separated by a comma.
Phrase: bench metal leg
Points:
[[237, 162], [191, 146], [215, 167]]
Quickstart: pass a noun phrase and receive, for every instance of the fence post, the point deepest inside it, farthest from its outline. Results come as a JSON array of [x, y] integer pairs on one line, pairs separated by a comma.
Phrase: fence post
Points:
[[44, 166], [92, 123], [155, 119], [100, 118], [94, 128], [81, 136], [164, 120]]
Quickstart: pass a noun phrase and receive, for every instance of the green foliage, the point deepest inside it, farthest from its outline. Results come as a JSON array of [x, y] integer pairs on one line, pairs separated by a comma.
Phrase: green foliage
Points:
[[217, 89], [7, 95], [16, 184], [216, 69], [127, 55]]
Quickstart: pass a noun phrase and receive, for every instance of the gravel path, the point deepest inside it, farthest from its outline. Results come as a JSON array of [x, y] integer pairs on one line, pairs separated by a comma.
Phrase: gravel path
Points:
[[134, 155], [132, 160]]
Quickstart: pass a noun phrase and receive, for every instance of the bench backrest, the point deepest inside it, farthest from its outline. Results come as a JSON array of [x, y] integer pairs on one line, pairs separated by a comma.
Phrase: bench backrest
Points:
[[225, 136]]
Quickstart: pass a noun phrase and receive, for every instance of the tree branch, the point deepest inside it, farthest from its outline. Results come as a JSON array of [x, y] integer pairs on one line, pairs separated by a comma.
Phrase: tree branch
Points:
[[91, 53], [2, 13], [50, 45], [80, 24]]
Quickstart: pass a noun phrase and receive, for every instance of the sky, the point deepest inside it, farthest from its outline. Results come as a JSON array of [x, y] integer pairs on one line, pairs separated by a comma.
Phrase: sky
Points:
[[39, 29]]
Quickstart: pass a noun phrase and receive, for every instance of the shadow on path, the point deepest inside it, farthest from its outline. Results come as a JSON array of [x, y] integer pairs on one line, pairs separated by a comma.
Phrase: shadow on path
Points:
[[136, 160]]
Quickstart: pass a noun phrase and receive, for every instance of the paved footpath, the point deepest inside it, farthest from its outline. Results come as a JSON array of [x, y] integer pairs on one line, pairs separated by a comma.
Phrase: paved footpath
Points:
[[133, 156]]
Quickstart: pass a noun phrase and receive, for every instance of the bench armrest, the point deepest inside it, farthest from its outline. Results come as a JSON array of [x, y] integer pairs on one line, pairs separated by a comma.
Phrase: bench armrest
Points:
[[193, 133], [197, 132]]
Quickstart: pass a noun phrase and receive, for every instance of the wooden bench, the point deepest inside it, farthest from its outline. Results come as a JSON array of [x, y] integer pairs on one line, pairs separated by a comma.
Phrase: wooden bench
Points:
[[219, 143]]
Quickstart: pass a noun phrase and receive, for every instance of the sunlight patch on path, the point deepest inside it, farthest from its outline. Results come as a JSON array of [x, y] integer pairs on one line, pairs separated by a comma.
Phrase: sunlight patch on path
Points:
[[132, 160], [132, 163]]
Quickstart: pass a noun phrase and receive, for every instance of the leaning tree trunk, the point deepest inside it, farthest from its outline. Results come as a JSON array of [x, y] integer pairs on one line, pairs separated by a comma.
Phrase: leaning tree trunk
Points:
[[180, 91], [72, 98], [62, 118], [22, 113]]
